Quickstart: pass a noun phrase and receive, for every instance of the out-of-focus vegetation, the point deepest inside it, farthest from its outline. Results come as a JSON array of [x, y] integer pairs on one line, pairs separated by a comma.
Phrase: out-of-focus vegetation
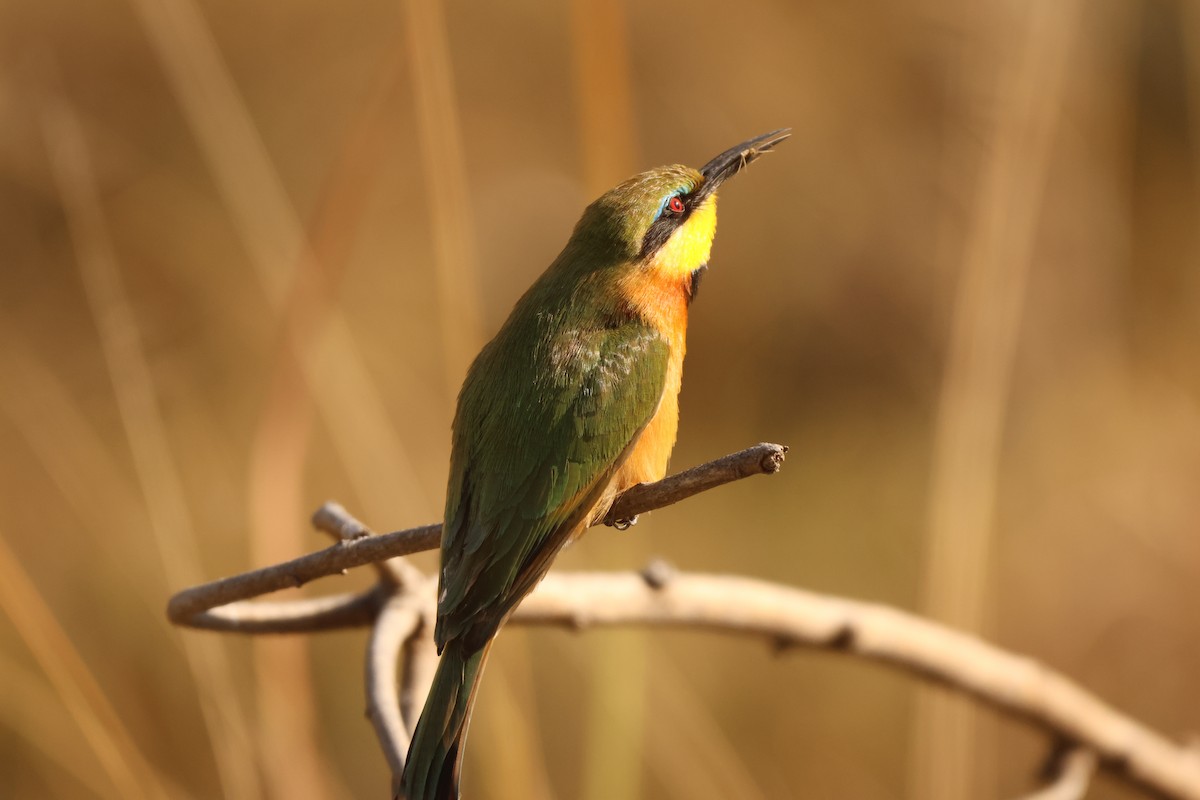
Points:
[[246, 250]]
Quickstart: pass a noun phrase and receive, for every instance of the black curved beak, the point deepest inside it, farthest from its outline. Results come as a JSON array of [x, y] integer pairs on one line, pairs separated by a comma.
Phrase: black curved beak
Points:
[[736, 158]]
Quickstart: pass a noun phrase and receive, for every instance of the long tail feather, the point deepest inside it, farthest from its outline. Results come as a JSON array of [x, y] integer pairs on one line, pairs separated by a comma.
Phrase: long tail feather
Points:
[[434, 762]]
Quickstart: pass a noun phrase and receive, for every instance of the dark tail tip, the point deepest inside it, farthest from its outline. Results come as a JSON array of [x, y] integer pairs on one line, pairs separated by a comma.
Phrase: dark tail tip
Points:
[[438, 781], [447, 784], [434, 764]]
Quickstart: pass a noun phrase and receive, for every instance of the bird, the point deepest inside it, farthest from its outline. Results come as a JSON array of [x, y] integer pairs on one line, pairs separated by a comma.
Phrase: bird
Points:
[[575, 400]]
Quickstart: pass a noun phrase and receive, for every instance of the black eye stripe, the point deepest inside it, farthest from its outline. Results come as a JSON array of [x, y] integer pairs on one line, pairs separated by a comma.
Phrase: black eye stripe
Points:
[[662, 228]]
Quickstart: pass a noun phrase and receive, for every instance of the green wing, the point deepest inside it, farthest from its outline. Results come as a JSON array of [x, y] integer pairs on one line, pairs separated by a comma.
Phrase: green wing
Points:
[[544, 419]]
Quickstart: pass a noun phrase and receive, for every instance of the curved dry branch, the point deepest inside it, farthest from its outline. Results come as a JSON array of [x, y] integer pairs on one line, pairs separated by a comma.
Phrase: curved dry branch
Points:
[[398, 621], [295, 616], [420, 660], [792, 617], [401, 607]]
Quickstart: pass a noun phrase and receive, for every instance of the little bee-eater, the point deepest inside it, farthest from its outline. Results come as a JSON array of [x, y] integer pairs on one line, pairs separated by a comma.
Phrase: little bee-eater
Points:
[[573, 402]]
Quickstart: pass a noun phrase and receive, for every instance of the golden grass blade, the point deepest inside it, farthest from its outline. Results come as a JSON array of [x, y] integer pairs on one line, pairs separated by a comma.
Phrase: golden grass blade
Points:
[[121, 759], [605, 124], [444, 163], [513, 757], [977, 381], [67, 446], [321, 346], [281, 440], [691, 726], [170, 521], [31, 709], [78, 462], [384, 475], [603, 92], [1190, 14]]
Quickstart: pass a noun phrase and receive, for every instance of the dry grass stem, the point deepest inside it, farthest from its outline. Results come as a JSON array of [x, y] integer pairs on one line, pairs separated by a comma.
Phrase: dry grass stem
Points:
[[978, 373], [347, 398], [133, 385], [444, 164], [121, 759]]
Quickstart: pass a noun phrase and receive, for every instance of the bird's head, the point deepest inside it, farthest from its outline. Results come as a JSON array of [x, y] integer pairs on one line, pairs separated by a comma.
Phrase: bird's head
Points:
[[663, 221]]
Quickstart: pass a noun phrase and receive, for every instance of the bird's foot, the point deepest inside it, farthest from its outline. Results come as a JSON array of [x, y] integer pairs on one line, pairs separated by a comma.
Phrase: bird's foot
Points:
[[625, 523]]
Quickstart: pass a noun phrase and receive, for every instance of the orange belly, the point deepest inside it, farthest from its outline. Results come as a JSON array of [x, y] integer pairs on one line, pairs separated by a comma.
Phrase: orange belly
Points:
[[651, 453], [662, 300]]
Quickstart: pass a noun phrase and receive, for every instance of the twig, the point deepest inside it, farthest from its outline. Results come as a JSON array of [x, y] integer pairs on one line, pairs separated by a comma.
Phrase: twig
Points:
[[761, 459], [186, 606]]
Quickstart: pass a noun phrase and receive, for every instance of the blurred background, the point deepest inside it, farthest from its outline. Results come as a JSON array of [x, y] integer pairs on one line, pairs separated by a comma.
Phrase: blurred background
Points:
[[247, 251]]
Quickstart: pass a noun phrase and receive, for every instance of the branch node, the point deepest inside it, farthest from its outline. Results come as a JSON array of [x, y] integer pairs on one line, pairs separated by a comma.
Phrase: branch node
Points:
[[782, 644], [1052, 766], [658, 573], [843, 637]]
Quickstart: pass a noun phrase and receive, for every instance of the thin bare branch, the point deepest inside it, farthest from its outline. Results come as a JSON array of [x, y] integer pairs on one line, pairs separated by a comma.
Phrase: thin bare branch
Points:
[[185, 605], [296, 616], [358, 548], [761, 459]]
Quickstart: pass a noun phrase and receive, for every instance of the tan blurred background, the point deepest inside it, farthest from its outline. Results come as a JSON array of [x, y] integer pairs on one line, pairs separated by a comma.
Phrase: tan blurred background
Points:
[[247, 250]]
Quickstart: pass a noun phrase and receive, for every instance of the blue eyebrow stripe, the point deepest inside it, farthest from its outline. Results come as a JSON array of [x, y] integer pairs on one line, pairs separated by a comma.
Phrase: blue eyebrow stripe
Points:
[[667, 199]]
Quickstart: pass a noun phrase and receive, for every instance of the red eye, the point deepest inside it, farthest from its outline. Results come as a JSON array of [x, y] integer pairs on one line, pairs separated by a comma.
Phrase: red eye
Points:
[[675, 205]]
